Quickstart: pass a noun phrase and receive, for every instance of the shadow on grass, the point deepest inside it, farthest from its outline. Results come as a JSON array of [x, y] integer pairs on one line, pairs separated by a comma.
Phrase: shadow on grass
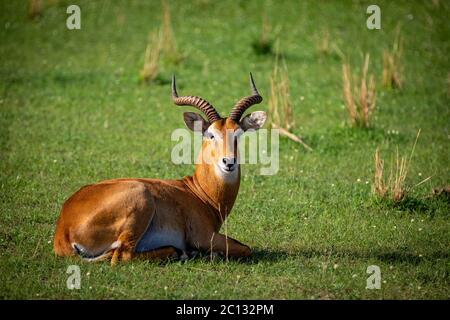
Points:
[[264, 255], [410, 204], [387, 256], [274, 256]]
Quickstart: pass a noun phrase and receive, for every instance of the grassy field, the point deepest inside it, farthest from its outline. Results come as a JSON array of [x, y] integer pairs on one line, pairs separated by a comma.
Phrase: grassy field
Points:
[[73, 112]]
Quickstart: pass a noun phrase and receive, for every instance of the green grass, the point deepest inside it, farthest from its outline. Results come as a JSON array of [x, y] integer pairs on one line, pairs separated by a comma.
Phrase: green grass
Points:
[[73, 113]]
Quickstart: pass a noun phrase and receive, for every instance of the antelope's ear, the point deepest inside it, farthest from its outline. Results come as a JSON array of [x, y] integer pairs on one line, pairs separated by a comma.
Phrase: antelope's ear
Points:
[[195, 122], [254, 120]]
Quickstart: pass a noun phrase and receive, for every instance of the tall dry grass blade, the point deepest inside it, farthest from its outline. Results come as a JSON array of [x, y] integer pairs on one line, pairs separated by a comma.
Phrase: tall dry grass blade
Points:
[[386, 77], [277, 58], [288, 111], [379, 186], [347, 92], [35, 9], [265, 41], [274, 115], [324, 42], [169, 44], [398, 188], [371, 96], [364, 108], [360, 108], [287, 107], [211, 247], [225, 223], [291, 136], [338, 50], [423, 181], [281, 111], [397, 53], [364, 101], [414, 145], [365, 66], [223, 220], [392, 63]]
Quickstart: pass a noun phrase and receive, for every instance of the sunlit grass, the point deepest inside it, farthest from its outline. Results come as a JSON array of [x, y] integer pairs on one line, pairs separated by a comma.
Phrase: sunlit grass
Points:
[[73, 113]]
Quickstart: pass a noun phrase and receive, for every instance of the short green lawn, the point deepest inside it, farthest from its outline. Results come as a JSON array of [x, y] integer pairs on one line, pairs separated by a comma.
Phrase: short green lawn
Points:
[[73, 112]]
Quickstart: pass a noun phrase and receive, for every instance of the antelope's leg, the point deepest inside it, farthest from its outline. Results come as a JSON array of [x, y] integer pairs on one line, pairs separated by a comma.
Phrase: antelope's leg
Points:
[[163, 253], [125, 251], [138, 219], [226, 246]]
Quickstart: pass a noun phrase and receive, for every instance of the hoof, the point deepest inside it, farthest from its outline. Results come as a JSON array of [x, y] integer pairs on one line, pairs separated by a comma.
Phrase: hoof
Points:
[[184, 256], [193, 254]]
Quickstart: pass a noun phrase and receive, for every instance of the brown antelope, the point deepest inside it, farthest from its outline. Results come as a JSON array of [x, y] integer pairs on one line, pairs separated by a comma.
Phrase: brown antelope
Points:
[[160, 219]]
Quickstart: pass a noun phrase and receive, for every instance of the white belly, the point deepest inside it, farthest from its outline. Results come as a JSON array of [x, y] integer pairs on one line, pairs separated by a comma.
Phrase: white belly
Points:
[[157, 238]]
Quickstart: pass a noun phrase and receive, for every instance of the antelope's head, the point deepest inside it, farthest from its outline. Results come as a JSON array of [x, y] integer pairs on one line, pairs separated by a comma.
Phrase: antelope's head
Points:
[[221, 135]]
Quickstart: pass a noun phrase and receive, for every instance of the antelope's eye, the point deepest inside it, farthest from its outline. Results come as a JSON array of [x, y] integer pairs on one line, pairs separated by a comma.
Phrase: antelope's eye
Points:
[[209, 135]]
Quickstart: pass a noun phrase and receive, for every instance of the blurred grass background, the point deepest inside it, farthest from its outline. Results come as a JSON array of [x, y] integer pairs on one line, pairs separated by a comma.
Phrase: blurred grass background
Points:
[[73, 112]]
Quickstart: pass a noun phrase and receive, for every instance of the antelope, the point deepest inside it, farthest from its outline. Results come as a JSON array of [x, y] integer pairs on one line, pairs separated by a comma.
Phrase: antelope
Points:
[[156, 219]]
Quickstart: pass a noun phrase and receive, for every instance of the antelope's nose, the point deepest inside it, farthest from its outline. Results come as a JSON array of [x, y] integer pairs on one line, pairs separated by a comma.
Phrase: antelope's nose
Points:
[[229, 163]]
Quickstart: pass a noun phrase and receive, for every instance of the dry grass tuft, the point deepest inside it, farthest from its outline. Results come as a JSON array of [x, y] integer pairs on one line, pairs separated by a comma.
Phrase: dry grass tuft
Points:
[[379, 186], [152, 53], [395, 187], [397, 180], [274, 115], [391, 63], [281, 111], [347, 91], [162, 43], [327, 45], [284, 99], [323, 45], [169, 44], [35, 9], [359, 100], [280, 106]]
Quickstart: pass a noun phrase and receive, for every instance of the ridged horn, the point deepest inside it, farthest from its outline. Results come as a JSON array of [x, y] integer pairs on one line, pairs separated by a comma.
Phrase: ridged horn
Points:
[[246, 102], [194, 101]]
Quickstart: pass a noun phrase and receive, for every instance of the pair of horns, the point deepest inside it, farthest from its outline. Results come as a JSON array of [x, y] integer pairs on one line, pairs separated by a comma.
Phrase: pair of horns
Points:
[[208, 109]]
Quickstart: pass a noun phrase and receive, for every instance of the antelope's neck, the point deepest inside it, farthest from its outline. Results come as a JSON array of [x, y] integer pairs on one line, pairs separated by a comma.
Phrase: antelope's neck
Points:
[[215, 190]]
